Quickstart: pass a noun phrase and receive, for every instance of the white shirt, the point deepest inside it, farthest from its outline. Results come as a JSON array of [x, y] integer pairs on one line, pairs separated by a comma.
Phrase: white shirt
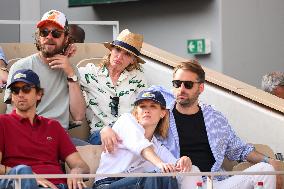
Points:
[[127, 156]]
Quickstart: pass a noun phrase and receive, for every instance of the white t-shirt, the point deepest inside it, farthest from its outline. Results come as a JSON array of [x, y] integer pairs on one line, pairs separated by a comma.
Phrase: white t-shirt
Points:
[[127, 156]]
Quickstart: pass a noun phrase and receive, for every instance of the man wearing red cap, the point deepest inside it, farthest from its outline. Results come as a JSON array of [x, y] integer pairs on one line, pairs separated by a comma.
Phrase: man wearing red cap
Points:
[[58, 76]]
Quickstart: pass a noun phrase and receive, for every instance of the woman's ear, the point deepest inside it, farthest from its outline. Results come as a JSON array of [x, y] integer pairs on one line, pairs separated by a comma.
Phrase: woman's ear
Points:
[[163, 113]]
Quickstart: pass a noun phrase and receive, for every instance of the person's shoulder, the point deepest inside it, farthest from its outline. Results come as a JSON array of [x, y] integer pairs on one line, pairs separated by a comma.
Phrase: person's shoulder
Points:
[[208, 109], [4, 118], [138, 72], [50, 122], [89, 67], [24, 62]]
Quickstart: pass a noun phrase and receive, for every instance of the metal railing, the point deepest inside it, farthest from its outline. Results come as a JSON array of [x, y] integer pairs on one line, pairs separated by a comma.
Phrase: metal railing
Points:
[[209, 175], [114, 24]]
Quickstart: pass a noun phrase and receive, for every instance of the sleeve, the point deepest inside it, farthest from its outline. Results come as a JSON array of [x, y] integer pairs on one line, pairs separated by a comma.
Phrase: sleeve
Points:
[[65, 145], [131, 133], [2, 56], [164, 153], [236, 149]]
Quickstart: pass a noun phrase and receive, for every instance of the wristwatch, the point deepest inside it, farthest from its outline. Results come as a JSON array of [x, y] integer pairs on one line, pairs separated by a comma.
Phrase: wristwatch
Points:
[[73, 78]]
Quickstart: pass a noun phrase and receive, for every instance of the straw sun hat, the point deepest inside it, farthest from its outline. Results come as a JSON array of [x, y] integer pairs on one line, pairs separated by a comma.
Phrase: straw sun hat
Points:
[[128, 41]]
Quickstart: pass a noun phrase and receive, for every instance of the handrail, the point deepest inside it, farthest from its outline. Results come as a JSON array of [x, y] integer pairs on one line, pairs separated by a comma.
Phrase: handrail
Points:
[[115, 24], [207, 174]]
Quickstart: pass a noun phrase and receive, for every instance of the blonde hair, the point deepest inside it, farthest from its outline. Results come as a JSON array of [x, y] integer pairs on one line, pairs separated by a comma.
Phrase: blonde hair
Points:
[[134, 66], [163, 124]]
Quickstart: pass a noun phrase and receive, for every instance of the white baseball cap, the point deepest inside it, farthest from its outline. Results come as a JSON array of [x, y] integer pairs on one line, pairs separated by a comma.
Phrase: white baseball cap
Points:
[[54, 16]]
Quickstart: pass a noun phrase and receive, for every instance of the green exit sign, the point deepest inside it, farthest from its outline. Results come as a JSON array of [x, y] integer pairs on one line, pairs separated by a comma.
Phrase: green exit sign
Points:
[[198, 46]]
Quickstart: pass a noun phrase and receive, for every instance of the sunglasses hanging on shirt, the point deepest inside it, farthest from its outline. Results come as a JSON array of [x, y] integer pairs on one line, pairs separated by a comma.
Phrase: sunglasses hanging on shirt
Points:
[[114, 105]]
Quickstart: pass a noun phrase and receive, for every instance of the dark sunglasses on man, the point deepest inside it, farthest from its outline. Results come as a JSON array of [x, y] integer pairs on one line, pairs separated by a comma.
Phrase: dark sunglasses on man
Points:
[[25, 89], [187, 84], [55, 33]]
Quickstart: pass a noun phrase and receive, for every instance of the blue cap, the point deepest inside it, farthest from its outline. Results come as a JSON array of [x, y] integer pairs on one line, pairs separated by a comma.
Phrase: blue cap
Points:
[[151, 95], [167, 94], [27, 76]]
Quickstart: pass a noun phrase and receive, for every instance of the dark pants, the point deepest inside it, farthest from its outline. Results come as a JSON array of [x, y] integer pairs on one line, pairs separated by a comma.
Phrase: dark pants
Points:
[[137, 183], [95, 138]]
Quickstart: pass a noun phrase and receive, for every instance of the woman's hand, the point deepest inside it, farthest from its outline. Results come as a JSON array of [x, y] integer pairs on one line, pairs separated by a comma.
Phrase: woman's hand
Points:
[[109, 139], [184, 164]]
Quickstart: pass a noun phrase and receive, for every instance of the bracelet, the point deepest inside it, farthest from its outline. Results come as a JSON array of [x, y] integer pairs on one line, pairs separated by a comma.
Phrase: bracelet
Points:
[[265, 159]]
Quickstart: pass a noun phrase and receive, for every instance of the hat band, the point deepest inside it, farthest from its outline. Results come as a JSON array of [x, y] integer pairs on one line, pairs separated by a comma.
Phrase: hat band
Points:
[[126, 46]]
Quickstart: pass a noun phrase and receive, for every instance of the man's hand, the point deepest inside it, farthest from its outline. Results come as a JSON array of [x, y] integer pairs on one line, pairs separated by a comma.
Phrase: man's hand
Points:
[[166, 167], [61, 62], [184, 164], [74, 183], [70, 50], [276, 165], [109, 139], [45, 183]]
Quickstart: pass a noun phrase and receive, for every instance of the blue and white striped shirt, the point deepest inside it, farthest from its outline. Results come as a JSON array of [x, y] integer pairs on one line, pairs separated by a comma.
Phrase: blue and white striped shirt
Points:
[[222, 139]]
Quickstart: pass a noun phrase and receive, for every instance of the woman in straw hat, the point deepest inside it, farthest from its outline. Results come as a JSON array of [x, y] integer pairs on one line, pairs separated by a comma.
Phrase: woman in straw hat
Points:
[[110, 88], [140, 151]]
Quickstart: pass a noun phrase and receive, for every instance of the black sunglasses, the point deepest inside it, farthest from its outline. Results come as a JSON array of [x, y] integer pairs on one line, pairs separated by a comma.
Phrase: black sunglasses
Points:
[[114, 105], [55, 33], [187, 84], [25, 89]]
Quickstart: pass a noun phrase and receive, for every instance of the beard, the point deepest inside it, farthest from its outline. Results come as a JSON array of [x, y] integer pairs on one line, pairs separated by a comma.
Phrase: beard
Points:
[[188, 101], [47, 53]]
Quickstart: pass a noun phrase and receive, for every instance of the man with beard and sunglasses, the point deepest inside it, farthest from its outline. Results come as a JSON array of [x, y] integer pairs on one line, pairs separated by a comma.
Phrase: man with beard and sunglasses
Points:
[[33, 144], [58, 76], [200, 132]]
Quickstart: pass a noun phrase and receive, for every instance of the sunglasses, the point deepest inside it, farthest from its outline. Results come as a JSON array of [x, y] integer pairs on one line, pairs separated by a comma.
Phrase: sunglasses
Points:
[[25, 89], [55, 33], [187, 84], [114, 106]]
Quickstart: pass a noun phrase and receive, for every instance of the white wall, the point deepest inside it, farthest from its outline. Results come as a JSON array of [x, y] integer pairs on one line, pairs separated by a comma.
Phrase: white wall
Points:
[[9, 10], [253, 41]]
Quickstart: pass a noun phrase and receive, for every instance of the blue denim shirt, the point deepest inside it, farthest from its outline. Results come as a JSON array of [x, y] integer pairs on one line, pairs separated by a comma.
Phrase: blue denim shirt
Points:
[[222, 139]]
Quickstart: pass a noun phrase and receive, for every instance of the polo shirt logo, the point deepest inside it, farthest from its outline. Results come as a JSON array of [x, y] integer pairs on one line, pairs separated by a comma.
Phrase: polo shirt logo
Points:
[[49, 138]]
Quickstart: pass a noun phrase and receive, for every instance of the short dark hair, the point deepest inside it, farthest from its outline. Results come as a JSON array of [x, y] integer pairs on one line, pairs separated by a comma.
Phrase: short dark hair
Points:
[[193, 66], [77, 34]]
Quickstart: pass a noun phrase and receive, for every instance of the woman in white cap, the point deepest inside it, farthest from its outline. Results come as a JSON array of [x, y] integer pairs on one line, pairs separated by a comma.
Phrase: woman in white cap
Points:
[[140, 151], [110, 88]]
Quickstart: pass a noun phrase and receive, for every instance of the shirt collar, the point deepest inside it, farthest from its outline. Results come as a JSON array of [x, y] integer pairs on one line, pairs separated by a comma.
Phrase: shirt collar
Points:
[[21, 119], [104, 71]]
